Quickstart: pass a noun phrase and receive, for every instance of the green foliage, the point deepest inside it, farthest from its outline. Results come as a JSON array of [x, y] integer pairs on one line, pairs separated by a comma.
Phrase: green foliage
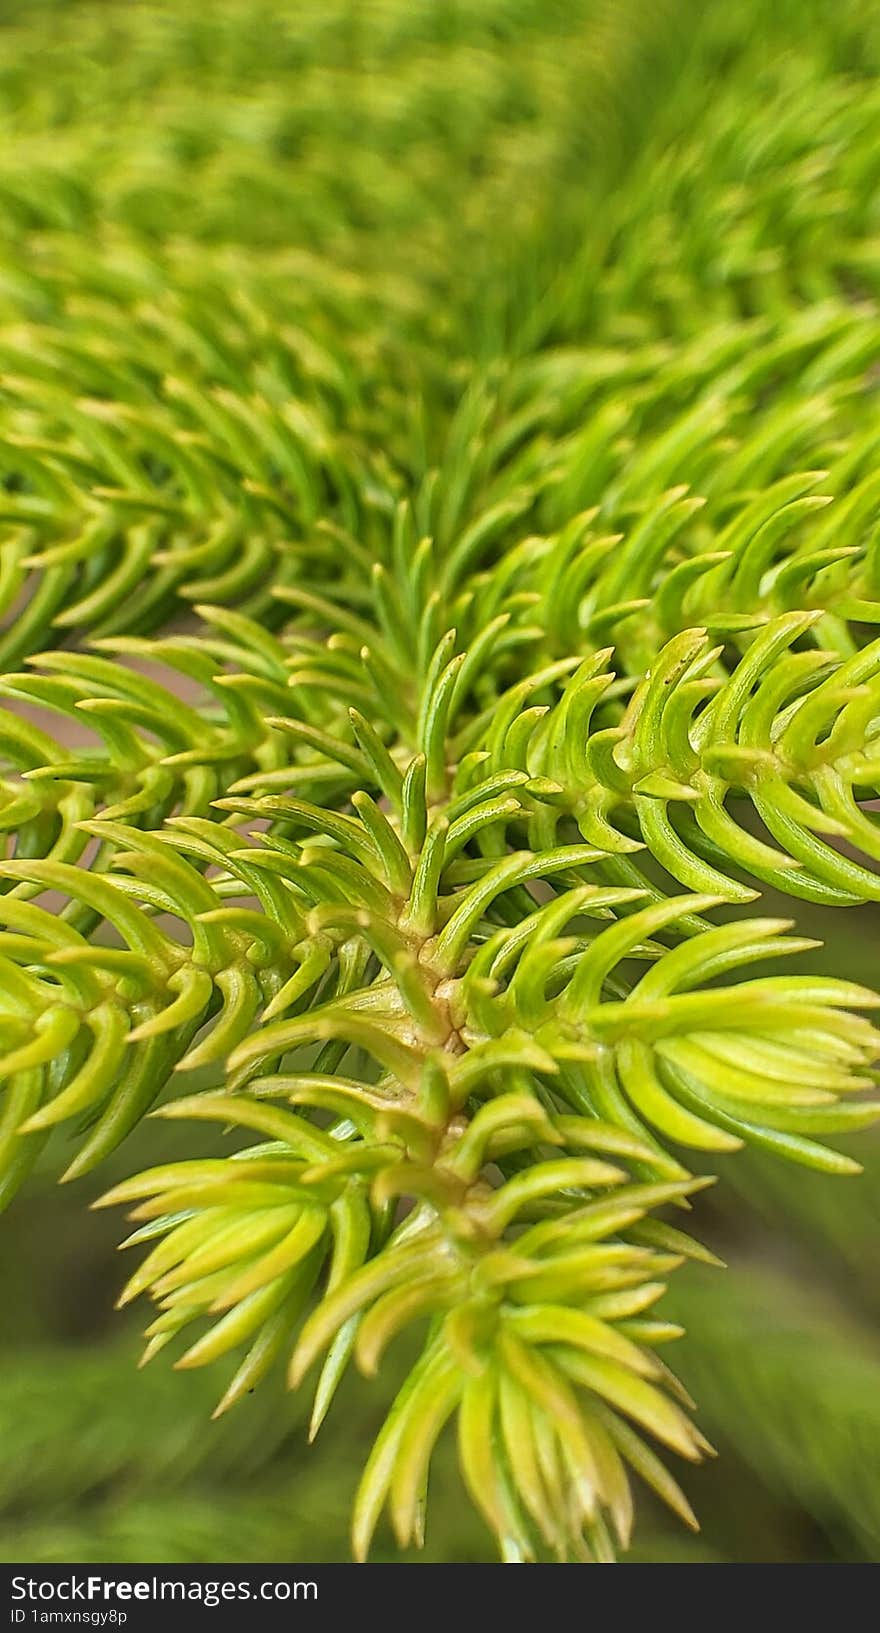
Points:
[[444, 589], [772, 1335]]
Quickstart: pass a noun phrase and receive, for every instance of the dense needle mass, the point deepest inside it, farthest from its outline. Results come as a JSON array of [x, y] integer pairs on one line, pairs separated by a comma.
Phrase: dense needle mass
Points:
[[438, 572]]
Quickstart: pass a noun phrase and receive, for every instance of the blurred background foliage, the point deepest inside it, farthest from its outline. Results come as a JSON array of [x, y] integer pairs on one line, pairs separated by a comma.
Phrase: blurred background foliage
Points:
[[426, 161]]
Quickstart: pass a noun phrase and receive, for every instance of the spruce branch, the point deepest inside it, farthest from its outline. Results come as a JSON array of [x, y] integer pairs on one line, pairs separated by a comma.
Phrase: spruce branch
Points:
[[396, 701]]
